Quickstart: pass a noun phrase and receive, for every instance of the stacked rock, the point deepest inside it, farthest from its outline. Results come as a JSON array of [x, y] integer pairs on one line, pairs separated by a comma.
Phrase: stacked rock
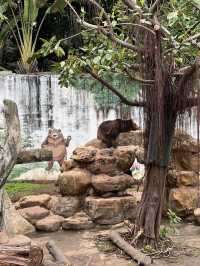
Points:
[[97, 175]]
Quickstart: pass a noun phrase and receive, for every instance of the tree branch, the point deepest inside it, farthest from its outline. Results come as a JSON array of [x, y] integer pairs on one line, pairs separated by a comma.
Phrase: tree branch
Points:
[[109, 34], [155, 5], [132, 5], [139, 79], [110, 87]]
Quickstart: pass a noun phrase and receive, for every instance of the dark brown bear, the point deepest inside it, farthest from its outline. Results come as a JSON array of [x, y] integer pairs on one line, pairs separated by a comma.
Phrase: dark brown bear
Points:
[[56, 143], [108, 131]]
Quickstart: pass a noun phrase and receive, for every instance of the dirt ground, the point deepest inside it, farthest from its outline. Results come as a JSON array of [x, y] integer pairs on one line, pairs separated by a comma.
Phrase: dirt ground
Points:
[[80, 247]]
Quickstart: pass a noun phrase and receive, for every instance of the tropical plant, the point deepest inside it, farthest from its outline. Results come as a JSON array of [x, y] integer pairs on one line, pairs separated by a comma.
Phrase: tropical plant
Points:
[[23, 25]]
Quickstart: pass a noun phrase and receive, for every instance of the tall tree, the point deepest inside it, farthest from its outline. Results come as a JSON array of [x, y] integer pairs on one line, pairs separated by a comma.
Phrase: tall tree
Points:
[[155, 43]]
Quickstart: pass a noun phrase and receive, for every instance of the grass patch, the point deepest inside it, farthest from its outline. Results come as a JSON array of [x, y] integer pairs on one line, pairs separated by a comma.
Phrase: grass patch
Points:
[[18, 190]]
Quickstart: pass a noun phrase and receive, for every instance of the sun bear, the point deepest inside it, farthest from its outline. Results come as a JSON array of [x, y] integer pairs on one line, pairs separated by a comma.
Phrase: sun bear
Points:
[[56, 143], [108, 131]]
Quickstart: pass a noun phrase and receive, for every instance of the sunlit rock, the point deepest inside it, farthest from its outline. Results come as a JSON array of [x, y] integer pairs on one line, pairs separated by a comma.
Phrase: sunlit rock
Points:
[[110, 210], [74, 182], [49, 224], [64, 206], [104, 183], [183, 200]]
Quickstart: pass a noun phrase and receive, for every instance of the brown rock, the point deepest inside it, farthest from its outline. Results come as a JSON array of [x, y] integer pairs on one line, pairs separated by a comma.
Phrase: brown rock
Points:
[[49, 224], [135, 138], [14, 223], [19, 240], [105, 163], [197, 215], [67, 165], [96, 143], [84, 154], [35, 200], [74, 182], [32, 214], [187, 178], [110, 210], [104, 183], [125, 157], [183, 200], [80, 221], [64, 206]]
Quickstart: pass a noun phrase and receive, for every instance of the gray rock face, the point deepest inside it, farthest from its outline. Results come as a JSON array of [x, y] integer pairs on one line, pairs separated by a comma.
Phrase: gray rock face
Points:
[[49, 224], [110, 210], [104, 183], [32, 214], [74, 182], [80, 221], [35, 200], [64, 206]]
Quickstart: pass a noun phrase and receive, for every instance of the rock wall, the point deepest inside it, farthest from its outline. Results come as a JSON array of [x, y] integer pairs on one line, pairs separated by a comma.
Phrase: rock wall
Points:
[[93, 185]]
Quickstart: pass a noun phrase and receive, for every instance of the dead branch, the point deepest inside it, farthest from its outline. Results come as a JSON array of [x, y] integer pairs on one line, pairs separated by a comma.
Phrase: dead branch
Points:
[[135, 254], [110, 87], [9, 153]]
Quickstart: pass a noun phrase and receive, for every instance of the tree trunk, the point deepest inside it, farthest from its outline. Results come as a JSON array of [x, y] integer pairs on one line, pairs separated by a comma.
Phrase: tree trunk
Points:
[[150, 208]]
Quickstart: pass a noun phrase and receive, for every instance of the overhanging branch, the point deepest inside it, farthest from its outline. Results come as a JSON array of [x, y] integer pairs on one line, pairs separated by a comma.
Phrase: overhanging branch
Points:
[[111, 88]]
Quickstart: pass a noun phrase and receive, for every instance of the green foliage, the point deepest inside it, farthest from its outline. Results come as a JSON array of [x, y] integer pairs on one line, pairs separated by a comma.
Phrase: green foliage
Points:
[[173, 220]]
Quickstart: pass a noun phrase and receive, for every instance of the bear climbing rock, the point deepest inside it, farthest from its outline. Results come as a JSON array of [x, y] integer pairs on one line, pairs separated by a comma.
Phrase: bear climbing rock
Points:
[[56, 143], [108, 131]]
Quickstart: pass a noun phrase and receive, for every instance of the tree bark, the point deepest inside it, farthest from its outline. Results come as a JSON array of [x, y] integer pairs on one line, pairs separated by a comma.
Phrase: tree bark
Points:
[[150, 208], [34, 155], [9, 153]]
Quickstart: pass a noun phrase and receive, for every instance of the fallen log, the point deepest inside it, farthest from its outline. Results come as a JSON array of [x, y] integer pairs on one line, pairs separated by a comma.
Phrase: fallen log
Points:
[[57, 254], [34, 155], [135, 254]]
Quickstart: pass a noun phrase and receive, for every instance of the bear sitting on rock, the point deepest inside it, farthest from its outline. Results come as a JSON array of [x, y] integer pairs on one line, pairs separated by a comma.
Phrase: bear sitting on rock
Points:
[[108, 131]]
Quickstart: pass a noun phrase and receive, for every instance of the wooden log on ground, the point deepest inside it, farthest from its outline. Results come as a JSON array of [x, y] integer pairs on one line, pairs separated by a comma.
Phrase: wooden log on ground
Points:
[[34, 155], [57, 254], [135, 254], [20, 255]]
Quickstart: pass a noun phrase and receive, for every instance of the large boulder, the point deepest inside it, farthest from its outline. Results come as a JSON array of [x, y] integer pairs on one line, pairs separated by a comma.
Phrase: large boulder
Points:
[[185, 152], [14, 223], [135, 138], [104, 183], [84, 154], [125, 157], [35, 200], [51, 223], [187, 178], [33, 214], [110, 211], [74, 182], [183, 200], [64, 206], [104, 163], [80, 221]]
